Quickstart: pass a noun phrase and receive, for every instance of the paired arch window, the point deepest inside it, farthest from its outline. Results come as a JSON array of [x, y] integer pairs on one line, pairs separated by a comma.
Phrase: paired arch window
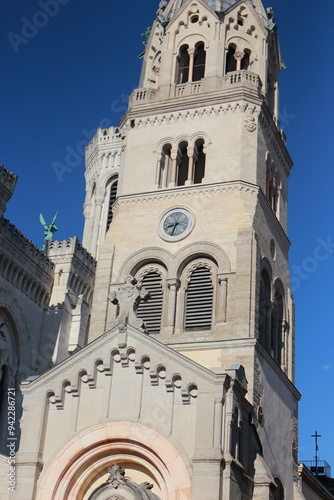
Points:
[[186, 303], [237, 60], [191, 63], [182, 166], [271, 317]]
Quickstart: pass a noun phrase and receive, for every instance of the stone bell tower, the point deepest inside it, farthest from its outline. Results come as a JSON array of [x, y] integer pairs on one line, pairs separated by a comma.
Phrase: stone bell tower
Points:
[[187, 199]]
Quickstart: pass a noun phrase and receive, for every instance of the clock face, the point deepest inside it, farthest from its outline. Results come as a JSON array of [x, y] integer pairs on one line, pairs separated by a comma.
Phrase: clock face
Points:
[[176, 223]]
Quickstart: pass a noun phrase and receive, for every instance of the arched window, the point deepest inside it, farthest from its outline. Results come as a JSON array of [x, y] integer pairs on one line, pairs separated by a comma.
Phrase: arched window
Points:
[[112, 199], [199, 299], [150, 310], [200, 162], [231, 63], [199, 62], [183, 65], [164, 175], [277, 328], [182, 174], [265, 309], [279, 493]]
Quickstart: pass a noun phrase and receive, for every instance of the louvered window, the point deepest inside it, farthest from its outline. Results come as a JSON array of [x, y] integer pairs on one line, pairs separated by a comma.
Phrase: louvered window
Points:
[[199, 300], [112, 199], [150, 310]]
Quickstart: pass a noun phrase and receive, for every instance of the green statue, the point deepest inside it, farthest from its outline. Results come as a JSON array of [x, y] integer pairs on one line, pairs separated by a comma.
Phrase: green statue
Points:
[[49, 230]]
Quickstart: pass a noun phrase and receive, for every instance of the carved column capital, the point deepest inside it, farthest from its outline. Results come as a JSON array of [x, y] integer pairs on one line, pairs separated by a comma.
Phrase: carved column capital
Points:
[[192, 52], [173, 283], [238, 56]]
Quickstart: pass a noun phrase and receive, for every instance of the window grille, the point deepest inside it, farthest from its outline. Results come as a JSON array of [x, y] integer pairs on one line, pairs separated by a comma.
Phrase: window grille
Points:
[[150, 310], [199, 300]]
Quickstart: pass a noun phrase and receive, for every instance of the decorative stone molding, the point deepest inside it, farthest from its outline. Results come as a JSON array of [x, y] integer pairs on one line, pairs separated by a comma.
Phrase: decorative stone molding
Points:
[[120, 485], [126, 357], [250, 123], [126, 296], [186, 192], [185, 114]]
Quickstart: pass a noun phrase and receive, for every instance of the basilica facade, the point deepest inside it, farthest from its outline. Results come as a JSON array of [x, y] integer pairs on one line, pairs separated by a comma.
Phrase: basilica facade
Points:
[[156, 360]]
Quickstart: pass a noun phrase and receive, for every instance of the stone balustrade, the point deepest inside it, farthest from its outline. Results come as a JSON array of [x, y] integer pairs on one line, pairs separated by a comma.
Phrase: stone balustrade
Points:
[[231, 81]]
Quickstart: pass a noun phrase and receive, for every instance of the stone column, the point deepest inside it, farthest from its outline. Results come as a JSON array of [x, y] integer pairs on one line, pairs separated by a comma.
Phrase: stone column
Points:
[[158, 175], [173, 287], [97, 224], [192, 54], [269, 314], [222, 299], [238, 56], [191, 165], [175, 160]]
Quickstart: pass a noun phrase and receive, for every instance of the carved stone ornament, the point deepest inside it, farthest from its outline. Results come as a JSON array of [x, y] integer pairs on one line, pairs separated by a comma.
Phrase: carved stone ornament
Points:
[[116, 476], [126, 296], [119, 487], [250, 123]]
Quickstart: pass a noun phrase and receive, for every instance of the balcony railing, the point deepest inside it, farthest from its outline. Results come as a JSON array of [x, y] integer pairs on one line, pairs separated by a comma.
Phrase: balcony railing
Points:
[[233, 80], [318, 467], [186, 89], [142, 95], [242, 78]]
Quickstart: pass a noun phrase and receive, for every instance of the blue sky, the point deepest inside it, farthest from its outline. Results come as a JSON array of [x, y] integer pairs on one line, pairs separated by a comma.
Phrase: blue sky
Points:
[[74, 73]]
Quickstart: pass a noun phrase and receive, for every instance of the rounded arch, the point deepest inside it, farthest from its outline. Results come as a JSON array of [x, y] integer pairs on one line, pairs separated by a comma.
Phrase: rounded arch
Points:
[[183, 138], [200, 136], [239, 43], [77, 467], [144, 257], [165, 141], [200, 250], [265, 265], [192, 40]]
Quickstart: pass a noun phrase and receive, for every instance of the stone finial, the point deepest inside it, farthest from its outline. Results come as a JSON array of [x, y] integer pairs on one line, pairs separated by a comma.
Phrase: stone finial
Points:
[[126, 296]]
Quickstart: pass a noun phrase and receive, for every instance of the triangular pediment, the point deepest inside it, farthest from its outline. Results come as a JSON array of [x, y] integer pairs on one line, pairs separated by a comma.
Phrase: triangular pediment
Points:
[[126, 348]]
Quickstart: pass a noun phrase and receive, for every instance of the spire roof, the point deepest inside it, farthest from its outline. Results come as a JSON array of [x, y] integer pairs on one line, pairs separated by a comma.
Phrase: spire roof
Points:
[[216, 5]]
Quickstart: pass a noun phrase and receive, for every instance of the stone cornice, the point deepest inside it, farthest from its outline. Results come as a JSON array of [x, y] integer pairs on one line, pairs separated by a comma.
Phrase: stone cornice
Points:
[[187, 108], [185, 192]]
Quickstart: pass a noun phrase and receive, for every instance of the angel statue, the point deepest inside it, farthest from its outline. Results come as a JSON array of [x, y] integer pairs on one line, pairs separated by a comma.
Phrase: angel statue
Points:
[[49, 230]]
